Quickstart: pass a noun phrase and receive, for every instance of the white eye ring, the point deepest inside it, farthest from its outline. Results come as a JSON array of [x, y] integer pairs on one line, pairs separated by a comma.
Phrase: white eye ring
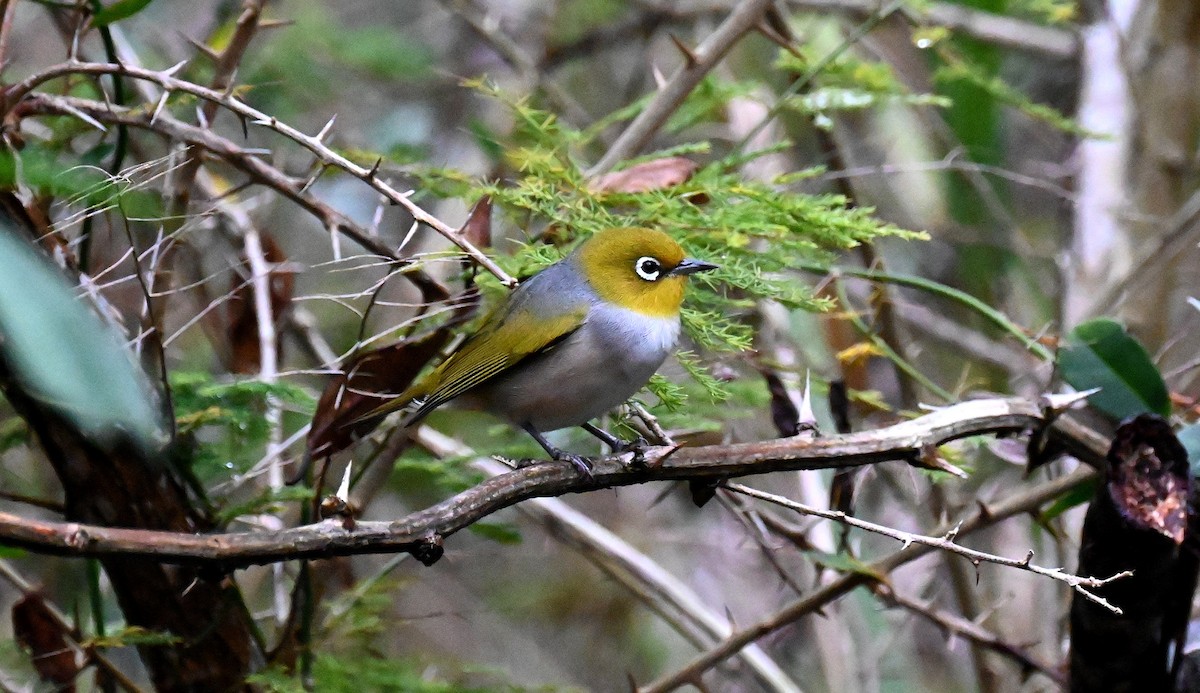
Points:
[[648, 268]]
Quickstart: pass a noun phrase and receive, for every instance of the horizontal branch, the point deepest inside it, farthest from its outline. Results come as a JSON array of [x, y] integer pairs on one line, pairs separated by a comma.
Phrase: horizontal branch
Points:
[[421, 533]]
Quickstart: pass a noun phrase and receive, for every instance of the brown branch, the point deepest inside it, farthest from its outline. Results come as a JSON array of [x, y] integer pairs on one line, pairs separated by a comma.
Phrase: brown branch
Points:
[[422, 532], [945, 543], [955, 625], [15, 93], [984, 517], [226, 66], [700, 62], [255, 167], [1002, 30]]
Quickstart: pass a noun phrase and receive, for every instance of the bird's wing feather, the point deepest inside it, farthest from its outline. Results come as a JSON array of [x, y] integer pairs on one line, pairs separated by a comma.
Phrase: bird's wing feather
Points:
[[521, 333]]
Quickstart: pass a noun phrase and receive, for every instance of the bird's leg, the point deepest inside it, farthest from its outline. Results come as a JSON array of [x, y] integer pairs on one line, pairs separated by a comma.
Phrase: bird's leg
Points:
[[637, 447], [581, 464]]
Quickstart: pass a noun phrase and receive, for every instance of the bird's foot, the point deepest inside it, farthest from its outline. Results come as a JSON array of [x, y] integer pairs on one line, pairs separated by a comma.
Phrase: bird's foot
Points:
[[638, 448], [580, 463]]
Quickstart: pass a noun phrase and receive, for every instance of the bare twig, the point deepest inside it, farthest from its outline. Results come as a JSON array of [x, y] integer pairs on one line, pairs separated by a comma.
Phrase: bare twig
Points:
[[1002, 30], [416, 532], [1020, 503], [945, 543], [954, 625], [515, 55], [165, 79], [261, 171], [702, 60]]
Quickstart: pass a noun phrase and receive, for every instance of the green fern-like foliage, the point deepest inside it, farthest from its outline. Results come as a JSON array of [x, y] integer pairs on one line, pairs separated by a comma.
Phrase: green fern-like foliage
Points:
[[757, 231]]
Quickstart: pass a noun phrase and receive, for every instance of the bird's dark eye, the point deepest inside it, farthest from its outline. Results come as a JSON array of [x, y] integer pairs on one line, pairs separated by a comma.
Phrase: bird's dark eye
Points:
[[648, 268]]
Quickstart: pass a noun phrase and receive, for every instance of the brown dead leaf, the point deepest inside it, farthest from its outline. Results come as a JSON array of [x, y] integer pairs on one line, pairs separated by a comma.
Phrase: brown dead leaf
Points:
[[245, 350], [50, 651], [478, 227], [647, 176], [365, 383]]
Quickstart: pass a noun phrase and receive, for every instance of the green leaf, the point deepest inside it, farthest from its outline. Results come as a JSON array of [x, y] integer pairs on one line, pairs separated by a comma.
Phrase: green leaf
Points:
[[1072, 497], [10, 552], [60, 352], [846, 563], [121, 9], [499, 532], [1100, 353]]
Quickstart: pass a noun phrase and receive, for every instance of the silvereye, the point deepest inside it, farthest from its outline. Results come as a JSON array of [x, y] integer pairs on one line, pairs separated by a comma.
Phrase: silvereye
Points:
[[572, 342]]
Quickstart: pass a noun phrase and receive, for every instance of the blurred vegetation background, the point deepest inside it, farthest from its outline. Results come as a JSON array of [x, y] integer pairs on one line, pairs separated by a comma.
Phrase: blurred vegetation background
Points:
[[1037, 157]]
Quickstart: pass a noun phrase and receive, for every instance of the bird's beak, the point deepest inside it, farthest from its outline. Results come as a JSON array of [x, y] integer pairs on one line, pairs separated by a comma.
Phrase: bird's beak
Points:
[[691, 266]]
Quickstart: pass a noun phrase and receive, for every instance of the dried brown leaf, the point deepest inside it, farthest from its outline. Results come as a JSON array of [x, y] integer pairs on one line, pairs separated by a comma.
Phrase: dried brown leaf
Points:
[[366, 382], [50, 650], [647, 176], [478, 227], [245, 349]]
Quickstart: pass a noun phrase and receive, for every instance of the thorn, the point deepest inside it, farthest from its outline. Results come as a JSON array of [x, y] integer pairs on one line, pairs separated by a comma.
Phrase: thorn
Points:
[[343, 491], [202, 48], [325, 130], [376, 219], [1060, 402], [807, 421], [657, 461], [162, 101], [170, 71], [335, 240], [200, 119], [374, 168], [777, 38], [660, 82], [73, 56], [245, 127], [692, 59], [953, 532], [316, 175], [85, 117], [274, 23], [928, 458], [408, 237]]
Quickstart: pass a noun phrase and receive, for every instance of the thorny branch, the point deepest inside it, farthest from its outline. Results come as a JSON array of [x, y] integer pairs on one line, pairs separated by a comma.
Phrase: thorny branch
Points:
[[945, 543], [954, 625], [13, 95], [422, 532], [815, 600]]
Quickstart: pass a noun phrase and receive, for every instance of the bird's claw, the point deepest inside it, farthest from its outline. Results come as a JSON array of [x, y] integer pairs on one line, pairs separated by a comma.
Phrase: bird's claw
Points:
[[582, 465], [638, 448]]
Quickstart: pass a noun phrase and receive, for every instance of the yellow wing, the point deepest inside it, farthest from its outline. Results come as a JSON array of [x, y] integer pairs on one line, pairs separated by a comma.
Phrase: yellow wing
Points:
[[507, 337]]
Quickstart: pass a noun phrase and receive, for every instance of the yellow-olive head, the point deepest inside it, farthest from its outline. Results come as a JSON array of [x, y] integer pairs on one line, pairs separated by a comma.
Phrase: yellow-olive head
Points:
[[638, 269]]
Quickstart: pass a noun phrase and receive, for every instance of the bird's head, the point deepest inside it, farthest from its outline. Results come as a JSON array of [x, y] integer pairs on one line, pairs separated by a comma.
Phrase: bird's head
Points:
[[639, 269]]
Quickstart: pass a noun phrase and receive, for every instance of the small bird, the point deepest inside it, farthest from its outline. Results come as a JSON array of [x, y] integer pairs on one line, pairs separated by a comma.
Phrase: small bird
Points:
[[570, 343]]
